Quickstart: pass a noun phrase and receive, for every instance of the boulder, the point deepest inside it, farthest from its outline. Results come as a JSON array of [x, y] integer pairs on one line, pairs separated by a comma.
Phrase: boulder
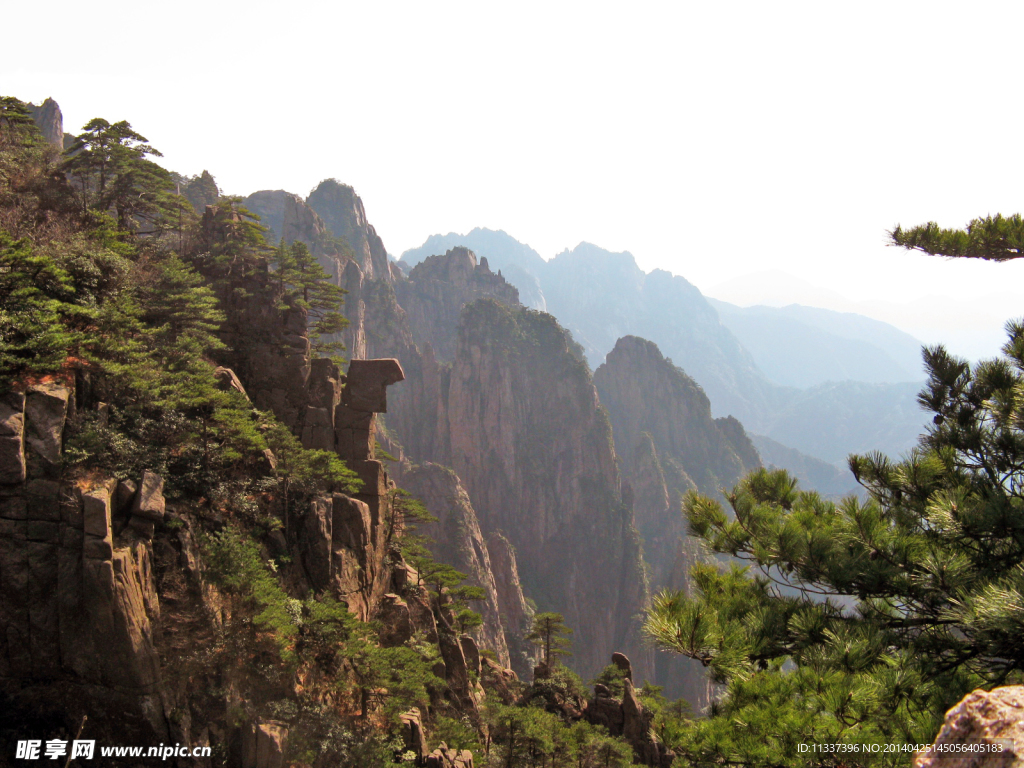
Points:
[[227, 380], [149, 501], [46, 408], [994, 718], [395, 619], [96, 512]]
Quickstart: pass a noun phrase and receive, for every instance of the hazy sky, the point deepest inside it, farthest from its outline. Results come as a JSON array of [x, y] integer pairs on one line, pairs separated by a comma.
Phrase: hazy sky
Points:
[[714, 140]]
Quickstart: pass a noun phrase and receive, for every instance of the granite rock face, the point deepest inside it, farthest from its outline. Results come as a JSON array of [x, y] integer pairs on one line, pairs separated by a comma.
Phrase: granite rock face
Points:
[[459, 542], [343, 213], [287, 216], [50, 121], [77, 607], [534, 449], [437, 290], [994, 718], [646, 394], [516, 614], [514, 413], [669, 443]]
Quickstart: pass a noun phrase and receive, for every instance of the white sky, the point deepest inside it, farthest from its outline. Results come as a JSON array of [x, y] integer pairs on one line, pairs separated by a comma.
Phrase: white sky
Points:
[[714, 140]]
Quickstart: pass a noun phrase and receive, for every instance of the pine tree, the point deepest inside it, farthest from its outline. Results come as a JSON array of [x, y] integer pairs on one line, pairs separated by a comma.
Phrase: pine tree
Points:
[[551, 634], [310, 287], [201, 191], [862, 622], [994, 238], [889, 609], [37, 310], [110, 172]]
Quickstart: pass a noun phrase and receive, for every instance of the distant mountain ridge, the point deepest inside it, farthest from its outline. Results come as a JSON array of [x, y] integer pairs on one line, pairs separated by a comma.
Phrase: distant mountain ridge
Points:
[[602, 296], [800, 346]]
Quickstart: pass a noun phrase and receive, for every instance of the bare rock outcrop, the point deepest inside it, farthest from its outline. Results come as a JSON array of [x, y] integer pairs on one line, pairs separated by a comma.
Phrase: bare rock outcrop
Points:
[[669, 444], [516, 614], [287, 216], [646, 394], [343, 539], [993, 720], [443, 757], [498, 681], [412, 733], [437, 290], [50, 121], [534, 449], [459, 542], [342, 211], [627, 717]]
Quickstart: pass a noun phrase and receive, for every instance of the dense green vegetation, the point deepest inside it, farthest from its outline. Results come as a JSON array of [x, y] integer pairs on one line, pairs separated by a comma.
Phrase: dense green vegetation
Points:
[[860, 623]]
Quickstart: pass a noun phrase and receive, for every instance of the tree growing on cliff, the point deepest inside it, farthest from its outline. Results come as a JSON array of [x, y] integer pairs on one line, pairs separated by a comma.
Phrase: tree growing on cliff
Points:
[[552, 635], [200, 190], [310, 287], [36, 303], [109, 169]]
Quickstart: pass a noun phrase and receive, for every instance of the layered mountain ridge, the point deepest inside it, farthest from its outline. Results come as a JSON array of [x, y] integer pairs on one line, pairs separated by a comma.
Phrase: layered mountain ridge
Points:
[[601, 296]]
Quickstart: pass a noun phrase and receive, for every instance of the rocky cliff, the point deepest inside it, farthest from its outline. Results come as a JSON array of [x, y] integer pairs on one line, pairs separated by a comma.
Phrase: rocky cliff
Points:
[[106, 606], [78, 603], [646, 394], [534, 449], [381, 327], [669, 443], [342, 211], [439, 287], [458, 540], [50, 120], [601, 296], [503, 396]]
